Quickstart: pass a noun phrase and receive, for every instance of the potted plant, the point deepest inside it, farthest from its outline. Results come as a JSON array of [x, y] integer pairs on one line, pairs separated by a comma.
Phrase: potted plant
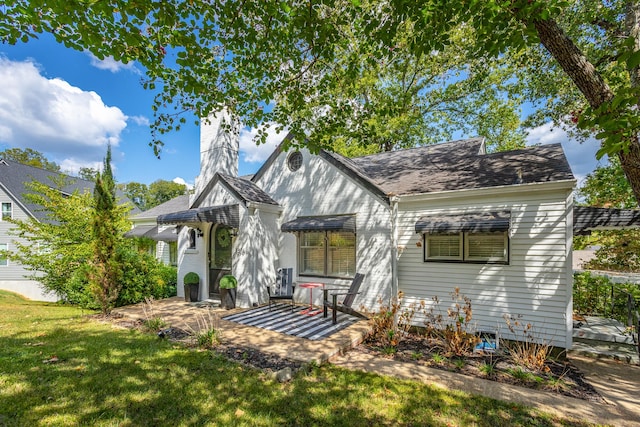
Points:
[[228, 285], [191, 287]]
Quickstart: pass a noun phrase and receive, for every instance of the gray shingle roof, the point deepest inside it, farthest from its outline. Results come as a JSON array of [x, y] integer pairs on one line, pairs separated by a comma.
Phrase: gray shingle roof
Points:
[[247, 190], [15, 176], [459, 165], [176, 204], [588, 218]]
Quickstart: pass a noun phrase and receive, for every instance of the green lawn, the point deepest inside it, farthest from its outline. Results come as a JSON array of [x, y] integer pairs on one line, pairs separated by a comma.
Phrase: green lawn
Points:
[[107, 376]]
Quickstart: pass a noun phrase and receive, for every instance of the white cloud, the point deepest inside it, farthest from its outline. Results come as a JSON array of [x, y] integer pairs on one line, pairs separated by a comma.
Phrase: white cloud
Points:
[[139, 120], [53, 117], [179, 180], [111, 64], [581, 155], [73, 165], [253, 153]]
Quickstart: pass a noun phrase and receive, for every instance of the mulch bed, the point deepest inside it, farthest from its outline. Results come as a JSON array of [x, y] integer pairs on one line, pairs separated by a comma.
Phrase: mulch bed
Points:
[[562, 377]]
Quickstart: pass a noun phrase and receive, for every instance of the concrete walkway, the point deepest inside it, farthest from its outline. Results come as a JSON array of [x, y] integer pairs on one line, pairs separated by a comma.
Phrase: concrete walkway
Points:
[[617, 382]]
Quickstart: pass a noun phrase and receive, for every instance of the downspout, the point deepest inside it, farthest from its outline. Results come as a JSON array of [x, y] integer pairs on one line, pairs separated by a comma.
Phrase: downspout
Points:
[[394, 249]]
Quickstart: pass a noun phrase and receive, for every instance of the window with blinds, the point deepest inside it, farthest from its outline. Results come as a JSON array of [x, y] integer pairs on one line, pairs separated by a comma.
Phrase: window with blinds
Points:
[[327, 253], [444, 246], [486, 246], [489, 247]]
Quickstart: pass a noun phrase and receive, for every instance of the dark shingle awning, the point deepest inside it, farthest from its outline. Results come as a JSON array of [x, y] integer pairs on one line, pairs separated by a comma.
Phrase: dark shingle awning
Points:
[[321, 223], [477, 222], [588, 218], [224, 214], [142, 231]]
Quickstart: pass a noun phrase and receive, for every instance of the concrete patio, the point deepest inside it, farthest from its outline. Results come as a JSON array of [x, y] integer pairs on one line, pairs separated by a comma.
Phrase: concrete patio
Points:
[[180, 314]]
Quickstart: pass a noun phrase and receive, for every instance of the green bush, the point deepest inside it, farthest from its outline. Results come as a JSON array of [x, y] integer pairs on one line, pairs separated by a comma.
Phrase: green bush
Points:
[[191, 279], [592, 296], [143, 276]]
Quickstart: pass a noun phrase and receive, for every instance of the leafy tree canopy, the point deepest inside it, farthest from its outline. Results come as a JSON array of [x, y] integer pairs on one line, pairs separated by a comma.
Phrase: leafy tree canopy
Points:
[[367, 70], [29, 157], [161, 191]]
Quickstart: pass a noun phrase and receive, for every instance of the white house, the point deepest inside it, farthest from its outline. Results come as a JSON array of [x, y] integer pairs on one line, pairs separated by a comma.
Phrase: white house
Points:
[[423, 221], [164, 237], [14, 180]]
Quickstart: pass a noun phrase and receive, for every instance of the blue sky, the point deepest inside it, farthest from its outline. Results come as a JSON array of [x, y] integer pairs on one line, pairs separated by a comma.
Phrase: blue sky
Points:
[[69, 105]]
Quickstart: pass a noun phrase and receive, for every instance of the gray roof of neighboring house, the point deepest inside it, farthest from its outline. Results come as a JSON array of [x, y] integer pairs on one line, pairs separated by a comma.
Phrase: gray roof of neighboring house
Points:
[[176, 204], [15, 177]]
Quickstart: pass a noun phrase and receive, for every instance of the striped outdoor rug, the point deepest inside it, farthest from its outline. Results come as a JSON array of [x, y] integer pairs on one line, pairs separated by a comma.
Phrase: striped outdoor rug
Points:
[[281, 319]]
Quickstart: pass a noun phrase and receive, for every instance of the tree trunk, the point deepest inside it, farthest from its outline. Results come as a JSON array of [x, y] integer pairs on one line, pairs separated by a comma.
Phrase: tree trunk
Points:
[[590, 82]]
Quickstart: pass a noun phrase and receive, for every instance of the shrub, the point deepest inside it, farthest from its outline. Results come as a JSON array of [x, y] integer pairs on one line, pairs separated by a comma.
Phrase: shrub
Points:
[[528, 350], [390, 323], [455, 332], [207, 332], [144, 276]]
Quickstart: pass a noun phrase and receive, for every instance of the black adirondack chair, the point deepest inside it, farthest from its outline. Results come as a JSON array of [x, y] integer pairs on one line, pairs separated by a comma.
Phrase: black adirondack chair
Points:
[[345, 305], [283, 288]]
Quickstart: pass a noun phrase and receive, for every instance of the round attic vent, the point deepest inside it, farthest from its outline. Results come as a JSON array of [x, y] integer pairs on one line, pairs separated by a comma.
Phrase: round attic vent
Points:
[[294, 161]]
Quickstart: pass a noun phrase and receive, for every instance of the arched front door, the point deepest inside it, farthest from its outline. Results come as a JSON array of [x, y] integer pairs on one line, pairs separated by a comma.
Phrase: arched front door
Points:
[[220, 250]]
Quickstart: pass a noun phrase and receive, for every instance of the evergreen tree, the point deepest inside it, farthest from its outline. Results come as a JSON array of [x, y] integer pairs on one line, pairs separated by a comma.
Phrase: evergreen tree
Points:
[[105, 274]]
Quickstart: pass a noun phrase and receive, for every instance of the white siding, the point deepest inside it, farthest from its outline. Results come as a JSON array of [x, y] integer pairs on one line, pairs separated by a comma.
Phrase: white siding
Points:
[[536, 284], [319, 188]]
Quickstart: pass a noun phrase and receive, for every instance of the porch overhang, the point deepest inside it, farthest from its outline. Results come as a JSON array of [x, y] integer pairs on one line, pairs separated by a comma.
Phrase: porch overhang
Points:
[[223, 214], [142, 231], [166, 235], [588, 218], [321, 223], [470, 222]]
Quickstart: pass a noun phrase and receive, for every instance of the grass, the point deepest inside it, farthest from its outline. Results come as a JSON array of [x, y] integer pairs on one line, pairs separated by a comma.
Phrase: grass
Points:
[[61, 368]]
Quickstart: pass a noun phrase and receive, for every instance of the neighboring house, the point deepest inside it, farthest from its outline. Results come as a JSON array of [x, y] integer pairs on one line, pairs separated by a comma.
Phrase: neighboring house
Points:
[[423, 221], [163, 238], [14, 180]]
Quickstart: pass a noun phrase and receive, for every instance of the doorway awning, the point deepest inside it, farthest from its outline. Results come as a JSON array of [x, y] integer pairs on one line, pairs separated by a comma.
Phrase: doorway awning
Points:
[[589, 218], [475, 222], [321, 223], [223, 214], [141, 231]]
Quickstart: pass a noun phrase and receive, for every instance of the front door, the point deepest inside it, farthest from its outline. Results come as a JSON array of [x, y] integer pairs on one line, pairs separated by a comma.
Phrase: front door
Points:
[[220, 250]]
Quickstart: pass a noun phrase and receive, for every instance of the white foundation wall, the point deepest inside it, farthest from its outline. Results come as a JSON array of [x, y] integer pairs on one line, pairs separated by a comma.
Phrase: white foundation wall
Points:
[[536, 285], [319, 188]]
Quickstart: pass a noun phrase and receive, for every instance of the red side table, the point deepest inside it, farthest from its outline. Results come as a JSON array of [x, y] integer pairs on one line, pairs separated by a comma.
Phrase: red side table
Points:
[[311, 286]]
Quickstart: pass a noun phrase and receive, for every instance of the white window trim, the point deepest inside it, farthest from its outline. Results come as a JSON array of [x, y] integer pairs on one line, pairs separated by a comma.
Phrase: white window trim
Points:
[[6, 248], [2, 211]]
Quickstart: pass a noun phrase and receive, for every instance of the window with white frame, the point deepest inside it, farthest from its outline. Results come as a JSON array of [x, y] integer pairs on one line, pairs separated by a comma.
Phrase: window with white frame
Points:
[[3, 258], [481, 247], [327, 253], [7, 211]]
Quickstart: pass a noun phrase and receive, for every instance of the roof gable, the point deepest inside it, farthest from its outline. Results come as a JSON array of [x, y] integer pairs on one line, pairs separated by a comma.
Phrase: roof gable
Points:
[[15, 178]]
